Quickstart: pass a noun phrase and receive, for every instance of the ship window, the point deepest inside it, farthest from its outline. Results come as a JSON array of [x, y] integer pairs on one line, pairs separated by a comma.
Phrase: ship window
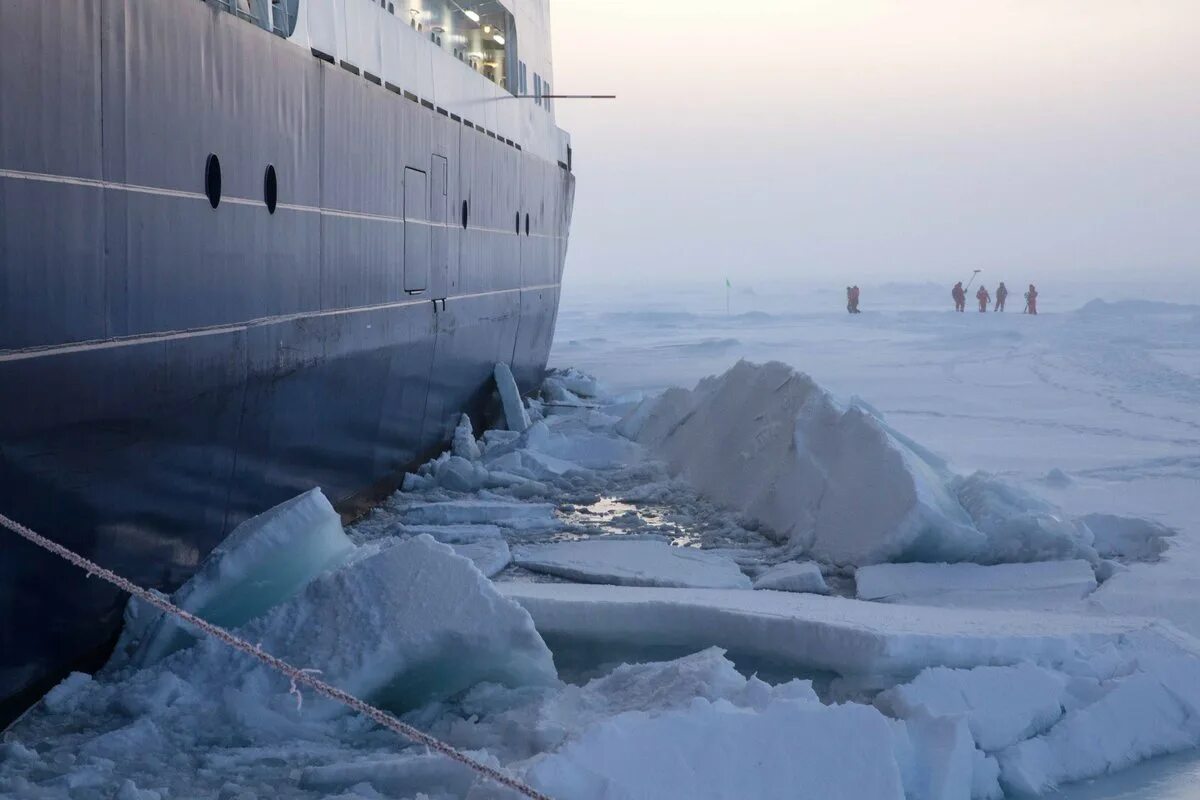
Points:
[[527, 223], [518, 223], [270, 188], [537, 88], [212, 180], [465, 211], [547, 92]]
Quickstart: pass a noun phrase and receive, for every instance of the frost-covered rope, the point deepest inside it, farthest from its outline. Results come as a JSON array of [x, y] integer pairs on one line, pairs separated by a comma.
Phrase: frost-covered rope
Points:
[[298, 676]]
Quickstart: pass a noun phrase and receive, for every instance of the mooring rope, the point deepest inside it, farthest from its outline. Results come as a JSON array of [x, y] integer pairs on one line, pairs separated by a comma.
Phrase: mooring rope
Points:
[[298, 676]]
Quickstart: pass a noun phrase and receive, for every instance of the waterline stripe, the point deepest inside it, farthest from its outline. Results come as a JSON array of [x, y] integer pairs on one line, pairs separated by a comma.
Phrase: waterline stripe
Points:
[[218, 330]]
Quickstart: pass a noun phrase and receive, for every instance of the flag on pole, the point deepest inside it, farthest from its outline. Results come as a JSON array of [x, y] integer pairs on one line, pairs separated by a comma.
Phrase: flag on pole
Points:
[[728, 284]]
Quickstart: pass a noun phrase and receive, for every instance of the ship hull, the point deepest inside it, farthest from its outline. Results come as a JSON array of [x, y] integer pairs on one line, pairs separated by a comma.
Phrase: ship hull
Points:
[[168, 368]]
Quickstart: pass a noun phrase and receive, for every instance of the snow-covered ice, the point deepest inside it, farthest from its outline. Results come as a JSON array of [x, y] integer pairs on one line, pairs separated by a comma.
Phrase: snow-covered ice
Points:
[[632, 563], [838, 483], [1151, 712], [1073, 454], [792, 751], [1047, 585]]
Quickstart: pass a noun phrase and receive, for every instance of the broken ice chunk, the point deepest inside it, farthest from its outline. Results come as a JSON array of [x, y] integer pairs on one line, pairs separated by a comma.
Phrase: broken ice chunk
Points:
[[264, 561], [1150, 713], [1002, 705], [515, 415], [632, 563], [415, 622], [1127, 537], [715, 750], [464, 444], [793, 576], [490, 556], [476, 512]]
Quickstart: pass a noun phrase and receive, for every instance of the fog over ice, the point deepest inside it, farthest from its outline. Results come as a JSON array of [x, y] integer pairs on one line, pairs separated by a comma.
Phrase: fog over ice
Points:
[[824, 140]]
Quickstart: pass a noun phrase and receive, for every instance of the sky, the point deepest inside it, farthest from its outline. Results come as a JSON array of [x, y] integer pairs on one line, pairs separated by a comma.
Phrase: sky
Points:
[[860, 140]]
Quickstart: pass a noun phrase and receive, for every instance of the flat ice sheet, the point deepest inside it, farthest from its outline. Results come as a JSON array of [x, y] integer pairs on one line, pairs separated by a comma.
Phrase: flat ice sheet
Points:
[[850, 637], [632, 563], [1043, 585]]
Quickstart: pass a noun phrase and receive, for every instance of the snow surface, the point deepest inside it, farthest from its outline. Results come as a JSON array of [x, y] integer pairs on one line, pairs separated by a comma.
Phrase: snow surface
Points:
[[632, 563], [793, 576], [1046, 585]]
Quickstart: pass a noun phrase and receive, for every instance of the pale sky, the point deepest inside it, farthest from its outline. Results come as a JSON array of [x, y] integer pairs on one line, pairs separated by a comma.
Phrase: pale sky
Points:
[[881, 140]]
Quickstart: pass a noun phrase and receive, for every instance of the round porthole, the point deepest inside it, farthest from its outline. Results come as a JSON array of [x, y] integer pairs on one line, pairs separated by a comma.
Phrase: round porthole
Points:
[[526, 224], [212, 180], [464, 214], [270, 188]]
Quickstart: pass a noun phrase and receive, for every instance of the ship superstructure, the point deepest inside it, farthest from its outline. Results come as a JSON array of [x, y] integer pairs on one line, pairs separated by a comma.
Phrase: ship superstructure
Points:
[[247, 248]]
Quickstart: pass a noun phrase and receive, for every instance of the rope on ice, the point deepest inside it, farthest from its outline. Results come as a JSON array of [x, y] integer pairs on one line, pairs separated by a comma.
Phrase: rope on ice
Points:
[[298, 676]]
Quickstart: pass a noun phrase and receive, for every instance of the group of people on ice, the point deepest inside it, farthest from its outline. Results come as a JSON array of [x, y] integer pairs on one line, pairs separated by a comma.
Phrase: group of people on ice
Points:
[[960, 298]]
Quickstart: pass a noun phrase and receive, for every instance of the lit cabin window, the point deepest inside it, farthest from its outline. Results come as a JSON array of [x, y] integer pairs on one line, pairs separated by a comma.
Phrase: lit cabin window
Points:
[[481, 33], [277, 16]]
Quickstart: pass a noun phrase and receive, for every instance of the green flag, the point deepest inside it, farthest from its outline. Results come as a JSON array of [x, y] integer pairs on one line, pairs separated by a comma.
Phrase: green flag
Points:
[[728, 284]]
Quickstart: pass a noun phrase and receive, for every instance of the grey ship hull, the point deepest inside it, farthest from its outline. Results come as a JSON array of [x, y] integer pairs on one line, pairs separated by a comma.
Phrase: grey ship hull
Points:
[[168, 368]]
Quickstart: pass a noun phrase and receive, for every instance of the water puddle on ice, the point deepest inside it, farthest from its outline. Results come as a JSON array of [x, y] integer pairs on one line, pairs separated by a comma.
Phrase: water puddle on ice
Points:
[[610, 516]]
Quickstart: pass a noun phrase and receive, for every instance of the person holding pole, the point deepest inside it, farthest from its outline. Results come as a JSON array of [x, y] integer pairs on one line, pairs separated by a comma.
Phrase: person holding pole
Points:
[[960, 297]]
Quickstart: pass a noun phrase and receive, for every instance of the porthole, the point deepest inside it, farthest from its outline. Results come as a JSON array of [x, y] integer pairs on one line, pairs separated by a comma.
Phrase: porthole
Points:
[[212, 180], [464, 214], [518, 223], [527, 224], [270, 188]]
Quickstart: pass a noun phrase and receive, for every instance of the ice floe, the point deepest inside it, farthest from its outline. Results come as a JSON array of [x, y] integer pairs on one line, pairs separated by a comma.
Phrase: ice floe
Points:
[[849, 637], [632, 563], [1046, 584]]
